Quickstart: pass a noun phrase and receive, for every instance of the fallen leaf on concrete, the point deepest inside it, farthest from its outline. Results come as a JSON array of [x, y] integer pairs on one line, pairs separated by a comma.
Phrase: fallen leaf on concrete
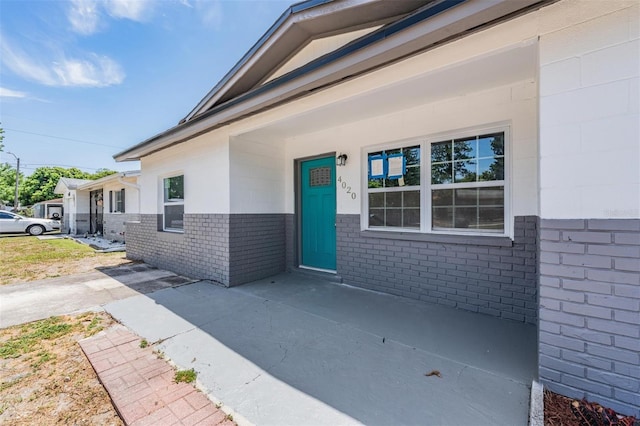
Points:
[[433, 373]]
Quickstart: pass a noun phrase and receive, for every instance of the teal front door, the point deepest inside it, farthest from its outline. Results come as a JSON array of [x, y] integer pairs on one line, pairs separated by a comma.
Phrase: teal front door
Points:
[[318, 216]]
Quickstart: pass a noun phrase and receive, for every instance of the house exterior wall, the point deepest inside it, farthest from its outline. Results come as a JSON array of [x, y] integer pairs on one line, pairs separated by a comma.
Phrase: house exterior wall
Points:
[[204, 161], [479, 277], [215, 245], [76, 212], [573, 197], [590, 310], [590, 203], [228, 249], [114, 223]]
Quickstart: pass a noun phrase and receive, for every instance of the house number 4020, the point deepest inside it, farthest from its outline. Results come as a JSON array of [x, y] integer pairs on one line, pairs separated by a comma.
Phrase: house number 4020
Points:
[[346, 188]]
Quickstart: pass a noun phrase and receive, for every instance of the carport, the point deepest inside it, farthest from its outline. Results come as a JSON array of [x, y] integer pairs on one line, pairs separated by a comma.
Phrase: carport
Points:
[[294, 349]]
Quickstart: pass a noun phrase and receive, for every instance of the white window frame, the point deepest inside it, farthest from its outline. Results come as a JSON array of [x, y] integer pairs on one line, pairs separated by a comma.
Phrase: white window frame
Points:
[[113, 202], [164, 203], [425, 188]]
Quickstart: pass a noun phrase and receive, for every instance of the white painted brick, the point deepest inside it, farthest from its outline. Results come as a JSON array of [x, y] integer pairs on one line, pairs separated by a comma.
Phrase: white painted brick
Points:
[[585, 37], [559, 77], [563, 139], [560, 203], [610, 64], [568, 13], [609, 201], [634, 21], [634, 96], [585, 104], [609, 134]]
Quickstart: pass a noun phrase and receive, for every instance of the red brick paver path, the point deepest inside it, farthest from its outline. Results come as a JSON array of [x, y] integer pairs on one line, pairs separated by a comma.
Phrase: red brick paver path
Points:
[[141, 385]]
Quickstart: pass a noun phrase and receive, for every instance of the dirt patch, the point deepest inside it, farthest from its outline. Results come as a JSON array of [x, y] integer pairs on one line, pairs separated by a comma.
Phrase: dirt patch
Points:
[[46, 379], [24, 259]]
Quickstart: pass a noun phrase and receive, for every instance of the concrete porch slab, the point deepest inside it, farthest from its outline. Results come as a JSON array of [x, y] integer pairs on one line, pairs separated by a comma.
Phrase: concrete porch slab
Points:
[[298, 350]]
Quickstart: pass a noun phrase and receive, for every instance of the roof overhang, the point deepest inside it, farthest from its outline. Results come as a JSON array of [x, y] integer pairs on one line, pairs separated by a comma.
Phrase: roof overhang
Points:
[[68, 184], [430, 26], [295, 28], [115, 177]]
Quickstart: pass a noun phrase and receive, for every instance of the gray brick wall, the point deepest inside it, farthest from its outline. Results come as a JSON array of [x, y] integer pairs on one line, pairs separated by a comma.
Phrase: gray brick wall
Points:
[[202, 251], [229, 249], [82, 223], [291, 255], [256, 246], [114, 225], [590, 310], [489, 279]]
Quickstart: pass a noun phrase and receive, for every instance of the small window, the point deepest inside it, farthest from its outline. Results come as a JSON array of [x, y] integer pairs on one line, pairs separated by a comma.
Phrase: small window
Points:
[[173, 203], [116, 201], [394, 191]]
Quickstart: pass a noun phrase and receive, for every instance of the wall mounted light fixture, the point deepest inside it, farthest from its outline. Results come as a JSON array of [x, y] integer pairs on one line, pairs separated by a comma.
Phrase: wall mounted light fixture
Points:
[[341, 160]]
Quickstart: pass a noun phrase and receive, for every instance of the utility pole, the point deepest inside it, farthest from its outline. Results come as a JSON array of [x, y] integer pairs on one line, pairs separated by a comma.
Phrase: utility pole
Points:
[[15, 201]]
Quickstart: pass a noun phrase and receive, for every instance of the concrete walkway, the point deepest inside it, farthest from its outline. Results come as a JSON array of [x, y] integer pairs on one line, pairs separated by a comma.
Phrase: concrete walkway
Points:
[[297, 350], [141, 385], [26, 302]]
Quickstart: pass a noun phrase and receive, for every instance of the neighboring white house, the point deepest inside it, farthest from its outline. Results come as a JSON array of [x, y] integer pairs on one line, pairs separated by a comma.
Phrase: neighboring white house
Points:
[[483, 155], [75, 206], [100, 206]]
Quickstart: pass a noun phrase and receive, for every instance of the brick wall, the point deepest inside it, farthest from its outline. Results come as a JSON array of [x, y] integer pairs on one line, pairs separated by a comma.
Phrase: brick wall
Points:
[[114, 224], [256, 246], [202, 251], [290, 230], [499, 280], [82, 223], [229, 249], [590, 310]]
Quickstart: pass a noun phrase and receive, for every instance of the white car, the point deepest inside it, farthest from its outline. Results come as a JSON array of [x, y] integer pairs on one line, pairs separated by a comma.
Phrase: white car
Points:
[[14, 223]]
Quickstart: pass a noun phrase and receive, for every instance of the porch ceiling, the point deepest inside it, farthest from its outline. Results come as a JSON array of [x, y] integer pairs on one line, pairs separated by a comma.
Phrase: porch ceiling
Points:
[[473, 75]]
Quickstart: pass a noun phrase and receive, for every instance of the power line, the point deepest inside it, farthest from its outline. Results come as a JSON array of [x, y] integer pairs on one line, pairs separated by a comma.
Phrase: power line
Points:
[[62, 138], [29, 165]]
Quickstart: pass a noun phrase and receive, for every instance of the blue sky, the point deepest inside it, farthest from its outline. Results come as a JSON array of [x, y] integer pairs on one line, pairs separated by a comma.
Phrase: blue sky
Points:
[[81, 80]]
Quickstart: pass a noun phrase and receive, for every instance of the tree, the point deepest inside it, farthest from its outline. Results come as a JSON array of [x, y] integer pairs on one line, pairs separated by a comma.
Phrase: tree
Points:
[[40, 184], [100, 173], [1, 138], [8, 183]]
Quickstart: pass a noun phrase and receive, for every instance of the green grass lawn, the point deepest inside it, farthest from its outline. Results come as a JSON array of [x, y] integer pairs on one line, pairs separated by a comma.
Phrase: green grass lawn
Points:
[[28, 258]]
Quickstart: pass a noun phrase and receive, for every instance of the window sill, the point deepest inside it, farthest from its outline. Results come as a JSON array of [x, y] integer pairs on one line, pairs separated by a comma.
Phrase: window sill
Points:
[[172, 231], [474, 240], [171, 236]]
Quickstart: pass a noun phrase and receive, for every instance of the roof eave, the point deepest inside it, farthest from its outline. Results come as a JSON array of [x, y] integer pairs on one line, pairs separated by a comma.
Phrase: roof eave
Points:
[[241, 106]]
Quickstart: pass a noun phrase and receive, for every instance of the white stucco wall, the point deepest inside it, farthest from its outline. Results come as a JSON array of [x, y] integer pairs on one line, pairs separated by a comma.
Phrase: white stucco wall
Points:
[[514, 105], [204, 161], [132, 198], [589, 103], [81, 201], [258, 176]]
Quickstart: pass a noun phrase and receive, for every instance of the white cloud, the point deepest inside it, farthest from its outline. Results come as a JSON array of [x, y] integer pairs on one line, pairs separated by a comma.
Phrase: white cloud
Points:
[[90, 71], [136, 10], [18, 62], [96, 71], [8, 93], [84, 16]]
